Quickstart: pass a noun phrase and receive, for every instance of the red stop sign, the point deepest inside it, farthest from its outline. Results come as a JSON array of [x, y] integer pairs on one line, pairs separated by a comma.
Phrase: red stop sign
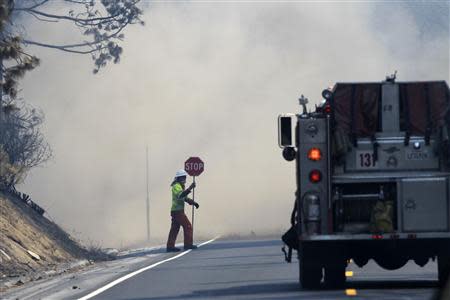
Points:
[[194, 166]]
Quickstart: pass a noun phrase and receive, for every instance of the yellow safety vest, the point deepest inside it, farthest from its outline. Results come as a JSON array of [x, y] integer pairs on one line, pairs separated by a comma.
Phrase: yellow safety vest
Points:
[[177, 202]]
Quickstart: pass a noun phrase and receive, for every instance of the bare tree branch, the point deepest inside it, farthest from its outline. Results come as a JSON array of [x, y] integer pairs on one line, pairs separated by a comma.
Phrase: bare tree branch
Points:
[[38, 4], [103, 32], [66, 48], [43, 20], [61, 17]]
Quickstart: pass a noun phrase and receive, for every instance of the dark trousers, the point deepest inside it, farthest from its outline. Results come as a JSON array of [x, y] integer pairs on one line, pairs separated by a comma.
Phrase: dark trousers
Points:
[[179, 219]]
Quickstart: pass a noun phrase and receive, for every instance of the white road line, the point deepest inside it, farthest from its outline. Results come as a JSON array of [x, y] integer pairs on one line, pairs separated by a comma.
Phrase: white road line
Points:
[[128, 276]]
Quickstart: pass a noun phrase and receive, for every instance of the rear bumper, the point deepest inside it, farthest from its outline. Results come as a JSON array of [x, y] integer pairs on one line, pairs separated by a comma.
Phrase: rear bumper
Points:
[[371, 237]]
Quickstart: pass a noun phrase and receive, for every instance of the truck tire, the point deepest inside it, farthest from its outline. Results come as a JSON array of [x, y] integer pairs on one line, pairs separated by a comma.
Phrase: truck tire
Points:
[[443, 268], [335, 274], [310, 275], [310, 268]]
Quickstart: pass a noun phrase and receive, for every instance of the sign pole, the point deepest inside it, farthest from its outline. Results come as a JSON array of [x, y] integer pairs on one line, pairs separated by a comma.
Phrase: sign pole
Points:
[[193, 199], [194, 166]]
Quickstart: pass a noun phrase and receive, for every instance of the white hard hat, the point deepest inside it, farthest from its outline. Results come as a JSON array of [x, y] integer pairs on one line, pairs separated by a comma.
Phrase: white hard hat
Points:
[[181, 173]]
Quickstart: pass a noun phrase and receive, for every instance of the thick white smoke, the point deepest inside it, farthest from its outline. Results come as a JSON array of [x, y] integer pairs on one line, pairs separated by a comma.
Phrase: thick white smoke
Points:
[[207, 79]]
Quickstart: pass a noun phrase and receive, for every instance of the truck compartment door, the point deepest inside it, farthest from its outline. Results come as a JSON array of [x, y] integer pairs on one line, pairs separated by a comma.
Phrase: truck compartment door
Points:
[[424, 204]]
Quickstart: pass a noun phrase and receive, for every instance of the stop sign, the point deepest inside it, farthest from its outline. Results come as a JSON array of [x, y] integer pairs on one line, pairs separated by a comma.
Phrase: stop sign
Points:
[[194, 166]]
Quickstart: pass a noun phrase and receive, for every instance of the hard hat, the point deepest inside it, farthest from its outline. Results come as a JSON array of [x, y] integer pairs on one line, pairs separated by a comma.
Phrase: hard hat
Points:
[[181, 173]]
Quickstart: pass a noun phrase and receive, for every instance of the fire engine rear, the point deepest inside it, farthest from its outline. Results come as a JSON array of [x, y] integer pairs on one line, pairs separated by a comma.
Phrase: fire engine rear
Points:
[[373, 178]]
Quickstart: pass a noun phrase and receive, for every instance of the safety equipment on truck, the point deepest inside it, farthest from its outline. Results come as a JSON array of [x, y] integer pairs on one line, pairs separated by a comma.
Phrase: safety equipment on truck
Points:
[[356, 108], [404, 100], [355, 116], [382, 217], [425, 108], [340, 145], [290, 238]]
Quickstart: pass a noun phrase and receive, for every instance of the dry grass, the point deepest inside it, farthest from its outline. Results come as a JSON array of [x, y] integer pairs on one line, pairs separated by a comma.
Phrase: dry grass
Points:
[[23, 230]]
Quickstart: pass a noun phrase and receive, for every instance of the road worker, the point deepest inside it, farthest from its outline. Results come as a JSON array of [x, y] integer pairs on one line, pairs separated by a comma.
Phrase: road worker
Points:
[[179, 196]]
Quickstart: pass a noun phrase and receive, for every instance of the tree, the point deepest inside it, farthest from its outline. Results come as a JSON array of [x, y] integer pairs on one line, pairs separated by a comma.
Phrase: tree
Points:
[[101, 23], [23, 145]]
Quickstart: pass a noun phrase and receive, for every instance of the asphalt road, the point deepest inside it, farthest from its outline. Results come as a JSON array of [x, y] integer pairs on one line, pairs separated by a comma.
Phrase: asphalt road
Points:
[[256, 270]]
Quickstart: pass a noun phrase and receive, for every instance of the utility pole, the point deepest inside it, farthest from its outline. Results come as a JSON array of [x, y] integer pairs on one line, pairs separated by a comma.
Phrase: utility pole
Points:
[[148, 199]]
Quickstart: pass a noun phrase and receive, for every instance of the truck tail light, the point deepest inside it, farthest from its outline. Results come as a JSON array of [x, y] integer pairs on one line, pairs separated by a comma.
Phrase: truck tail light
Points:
[[315, 176], [315, 154]]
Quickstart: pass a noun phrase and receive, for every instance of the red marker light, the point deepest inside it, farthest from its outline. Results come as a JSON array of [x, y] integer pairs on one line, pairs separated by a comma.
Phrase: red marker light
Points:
[[315, 154], [315, 176], [327, 109], [377, 236]]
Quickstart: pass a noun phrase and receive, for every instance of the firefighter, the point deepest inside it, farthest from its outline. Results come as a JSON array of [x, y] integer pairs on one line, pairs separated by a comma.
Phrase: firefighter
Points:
[[179, 196]]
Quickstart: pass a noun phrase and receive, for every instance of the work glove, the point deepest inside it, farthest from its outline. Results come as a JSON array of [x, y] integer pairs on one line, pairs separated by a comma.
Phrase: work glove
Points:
[[192, 186], [196, 205], [188, 190]]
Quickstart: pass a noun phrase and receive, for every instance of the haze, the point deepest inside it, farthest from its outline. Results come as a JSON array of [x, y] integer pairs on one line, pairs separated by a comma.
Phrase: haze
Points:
[[208, 79]]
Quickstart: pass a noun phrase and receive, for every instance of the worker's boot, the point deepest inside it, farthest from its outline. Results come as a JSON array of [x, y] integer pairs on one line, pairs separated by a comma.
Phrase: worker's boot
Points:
[[173, 249], [191, 247]]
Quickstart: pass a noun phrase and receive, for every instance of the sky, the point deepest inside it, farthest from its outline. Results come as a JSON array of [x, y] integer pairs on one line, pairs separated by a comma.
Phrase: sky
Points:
[[207, 79]]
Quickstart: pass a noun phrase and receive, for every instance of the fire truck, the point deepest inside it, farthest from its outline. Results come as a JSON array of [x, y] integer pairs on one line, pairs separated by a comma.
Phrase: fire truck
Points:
[[373, 178]]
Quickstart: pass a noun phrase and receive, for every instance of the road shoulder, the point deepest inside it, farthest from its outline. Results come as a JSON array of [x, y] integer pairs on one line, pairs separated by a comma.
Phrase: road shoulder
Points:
[[75, 284]]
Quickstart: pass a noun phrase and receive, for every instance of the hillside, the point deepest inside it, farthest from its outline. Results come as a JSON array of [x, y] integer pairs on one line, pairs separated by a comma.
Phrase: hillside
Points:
[[29, 242]]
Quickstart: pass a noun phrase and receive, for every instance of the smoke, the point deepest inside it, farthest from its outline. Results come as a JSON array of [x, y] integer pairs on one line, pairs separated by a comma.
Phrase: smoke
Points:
[[208, 80]]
